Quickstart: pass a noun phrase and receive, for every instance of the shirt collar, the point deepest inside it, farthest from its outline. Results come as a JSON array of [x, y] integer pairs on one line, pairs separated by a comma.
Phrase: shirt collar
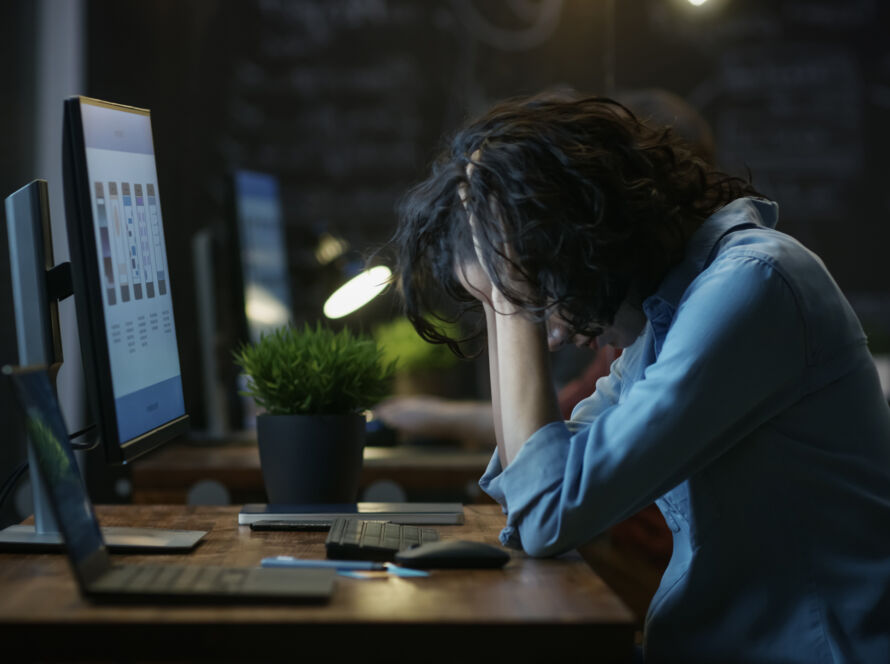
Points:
[[742, 211]]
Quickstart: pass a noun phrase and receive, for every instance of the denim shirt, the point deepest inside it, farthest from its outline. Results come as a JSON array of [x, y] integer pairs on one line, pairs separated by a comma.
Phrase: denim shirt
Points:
[[750, 410]]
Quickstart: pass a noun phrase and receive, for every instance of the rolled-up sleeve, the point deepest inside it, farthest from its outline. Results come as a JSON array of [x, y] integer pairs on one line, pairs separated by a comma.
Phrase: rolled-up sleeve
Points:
[[733, 355], [517, 487]]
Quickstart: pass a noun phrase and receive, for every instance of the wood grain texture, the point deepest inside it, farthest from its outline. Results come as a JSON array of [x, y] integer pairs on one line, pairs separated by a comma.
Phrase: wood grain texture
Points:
[[532, 610]]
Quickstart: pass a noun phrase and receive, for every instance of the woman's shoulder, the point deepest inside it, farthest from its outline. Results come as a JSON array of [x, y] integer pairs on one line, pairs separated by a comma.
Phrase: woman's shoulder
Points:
[[763, 261]]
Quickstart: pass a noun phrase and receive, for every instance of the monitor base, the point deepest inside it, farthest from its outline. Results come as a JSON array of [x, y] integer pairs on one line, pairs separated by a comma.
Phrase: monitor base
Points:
[[117, 539]]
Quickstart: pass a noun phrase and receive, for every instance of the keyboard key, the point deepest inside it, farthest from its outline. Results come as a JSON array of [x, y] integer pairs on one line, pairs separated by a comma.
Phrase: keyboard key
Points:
[[360, 539]]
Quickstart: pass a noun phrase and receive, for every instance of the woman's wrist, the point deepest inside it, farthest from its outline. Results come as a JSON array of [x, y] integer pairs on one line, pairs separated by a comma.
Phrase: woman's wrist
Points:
[[502, 306]]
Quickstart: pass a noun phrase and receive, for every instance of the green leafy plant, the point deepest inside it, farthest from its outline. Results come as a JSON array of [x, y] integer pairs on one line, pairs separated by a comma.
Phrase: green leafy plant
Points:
[[401, 344], [315, 371]]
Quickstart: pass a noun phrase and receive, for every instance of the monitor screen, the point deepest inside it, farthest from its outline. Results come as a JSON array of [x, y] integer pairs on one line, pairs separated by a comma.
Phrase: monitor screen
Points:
[[120, 273], [265, 278]]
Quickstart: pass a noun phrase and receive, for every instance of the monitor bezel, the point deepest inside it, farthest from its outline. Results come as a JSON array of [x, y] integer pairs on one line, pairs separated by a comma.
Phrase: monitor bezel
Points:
[[88, 294], [233, 257]]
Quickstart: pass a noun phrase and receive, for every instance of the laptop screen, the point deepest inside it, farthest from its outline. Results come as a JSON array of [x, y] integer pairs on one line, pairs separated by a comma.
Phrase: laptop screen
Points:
[[49, 440]]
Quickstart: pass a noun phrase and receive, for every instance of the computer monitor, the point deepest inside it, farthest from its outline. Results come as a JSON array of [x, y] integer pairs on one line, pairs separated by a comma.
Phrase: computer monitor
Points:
[[263, 283], [121, 277], [242, 284], [37, 284], [30, 262]]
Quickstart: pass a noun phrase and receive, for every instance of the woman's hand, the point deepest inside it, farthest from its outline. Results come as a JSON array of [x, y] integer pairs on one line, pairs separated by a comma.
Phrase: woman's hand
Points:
[[474, 278], [478, 279], [523, 398]]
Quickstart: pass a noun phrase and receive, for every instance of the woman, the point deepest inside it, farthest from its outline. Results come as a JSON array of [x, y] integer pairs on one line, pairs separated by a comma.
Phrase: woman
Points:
[[745, 402]]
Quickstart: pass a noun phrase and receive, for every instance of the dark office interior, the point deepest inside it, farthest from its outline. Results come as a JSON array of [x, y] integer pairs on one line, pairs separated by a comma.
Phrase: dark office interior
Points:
[[347, 102]]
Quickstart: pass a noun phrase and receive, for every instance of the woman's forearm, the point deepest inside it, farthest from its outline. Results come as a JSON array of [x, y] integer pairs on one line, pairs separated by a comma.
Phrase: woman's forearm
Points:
[[494, 376], [525, 392]]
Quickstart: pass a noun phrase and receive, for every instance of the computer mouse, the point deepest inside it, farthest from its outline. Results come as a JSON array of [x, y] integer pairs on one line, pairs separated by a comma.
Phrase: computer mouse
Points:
[[453, 554]]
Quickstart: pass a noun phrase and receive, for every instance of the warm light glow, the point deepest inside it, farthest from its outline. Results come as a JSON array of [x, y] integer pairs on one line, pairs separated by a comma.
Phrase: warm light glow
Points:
[[357, 292], [263, 308], [697, 3], [330, 248]]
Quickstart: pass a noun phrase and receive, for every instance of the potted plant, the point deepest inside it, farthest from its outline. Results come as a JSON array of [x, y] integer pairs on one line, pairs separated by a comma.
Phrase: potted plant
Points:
[[312, 386]]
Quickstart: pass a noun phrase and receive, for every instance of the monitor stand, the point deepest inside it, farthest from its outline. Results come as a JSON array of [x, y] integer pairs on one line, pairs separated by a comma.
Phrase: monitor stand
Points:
[[36, 289], [44, 535], [118, 539]]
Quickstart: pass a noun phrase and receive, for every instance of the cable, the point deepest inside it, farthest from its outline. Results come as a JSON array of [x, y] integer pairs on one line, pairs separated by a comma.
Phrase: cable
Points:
[[78, 434], [10, 483], [87, 446]]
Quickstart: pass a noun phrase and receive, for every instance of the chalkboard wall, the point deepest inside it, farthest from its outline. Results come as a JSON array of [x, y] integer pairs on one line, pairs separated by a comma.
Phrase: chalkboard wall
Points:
[[348, 100], [798, 91]]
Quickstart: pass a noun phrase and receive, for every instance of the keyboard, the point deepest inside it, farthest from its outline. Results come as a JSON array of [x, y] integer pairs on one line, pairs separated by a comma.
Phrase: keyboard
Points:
[[361, 539], [172, 578]]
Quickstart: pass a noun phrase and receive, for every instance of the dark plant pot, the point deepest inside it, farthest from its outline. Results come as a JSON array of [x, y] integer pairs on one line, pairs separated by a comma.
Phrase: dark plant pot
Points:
[[311, 458]]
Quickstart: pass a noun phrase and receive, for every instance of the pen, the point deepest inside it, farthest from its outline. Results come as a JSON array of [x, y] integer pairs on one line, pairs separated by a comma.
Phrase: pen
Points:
[[290, 561]]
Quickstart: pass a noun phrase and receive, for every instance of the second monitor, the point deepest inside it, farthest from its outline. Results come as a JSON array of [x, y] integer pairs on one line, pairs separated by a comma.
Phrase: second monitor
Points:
[[243, 289], [261, 261]]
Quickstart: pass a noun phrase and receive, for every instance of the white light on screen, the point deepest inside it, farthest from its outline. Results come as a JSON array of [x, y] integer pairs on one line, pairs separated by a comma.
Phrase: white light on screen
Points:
[[357, 292], [697, 3]]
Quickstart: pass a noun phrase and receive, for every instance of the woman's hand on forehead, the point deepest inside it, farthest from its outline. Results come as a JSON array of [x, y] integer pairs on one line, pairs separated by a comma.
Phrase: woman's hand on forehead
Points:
[[481, 270], [473, 274]]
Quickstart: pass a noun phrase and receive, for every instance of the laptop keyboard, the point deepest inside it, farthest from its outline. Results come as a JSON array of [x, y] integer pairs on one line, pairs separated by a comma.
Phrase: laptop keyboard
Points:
[[360, 539], [174, 578]]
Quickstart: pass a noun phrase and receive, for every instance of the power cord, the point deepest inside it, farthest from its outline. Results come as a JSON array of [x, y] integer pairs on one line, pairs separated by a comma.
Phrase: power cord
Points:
[[87, 446], [11, 482], [13, 479]]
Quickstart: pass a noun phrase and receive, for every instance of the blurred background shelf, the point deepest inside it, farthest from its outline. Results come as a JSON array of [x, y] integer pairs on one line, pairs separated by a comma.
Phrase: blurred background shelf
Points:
[[230, 474]]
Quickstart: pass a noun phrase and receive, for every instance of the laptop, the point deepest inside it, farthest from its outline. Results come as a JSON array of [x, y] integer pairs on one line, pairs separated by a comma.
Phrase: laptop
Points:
[[96, 577], [327, 513]]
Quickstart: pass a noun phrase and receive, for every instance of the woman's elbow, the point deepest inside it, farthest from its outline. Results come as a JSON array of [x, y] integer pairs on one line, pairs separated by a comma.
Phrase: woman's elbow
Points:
[[543, 539], [549, 532], [537, 549]]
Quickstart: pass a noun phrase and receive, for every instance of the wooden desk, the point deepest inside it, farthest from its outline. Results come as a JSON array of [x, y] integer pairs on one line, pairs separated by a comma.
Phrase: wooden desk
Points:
[[532, 610], [164, 477]]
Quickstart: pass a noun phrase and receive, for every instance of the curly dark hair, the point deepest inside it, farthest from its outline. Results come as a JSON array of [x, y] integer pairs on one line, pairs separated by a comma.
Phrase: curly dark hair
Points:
[[593, 204]]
